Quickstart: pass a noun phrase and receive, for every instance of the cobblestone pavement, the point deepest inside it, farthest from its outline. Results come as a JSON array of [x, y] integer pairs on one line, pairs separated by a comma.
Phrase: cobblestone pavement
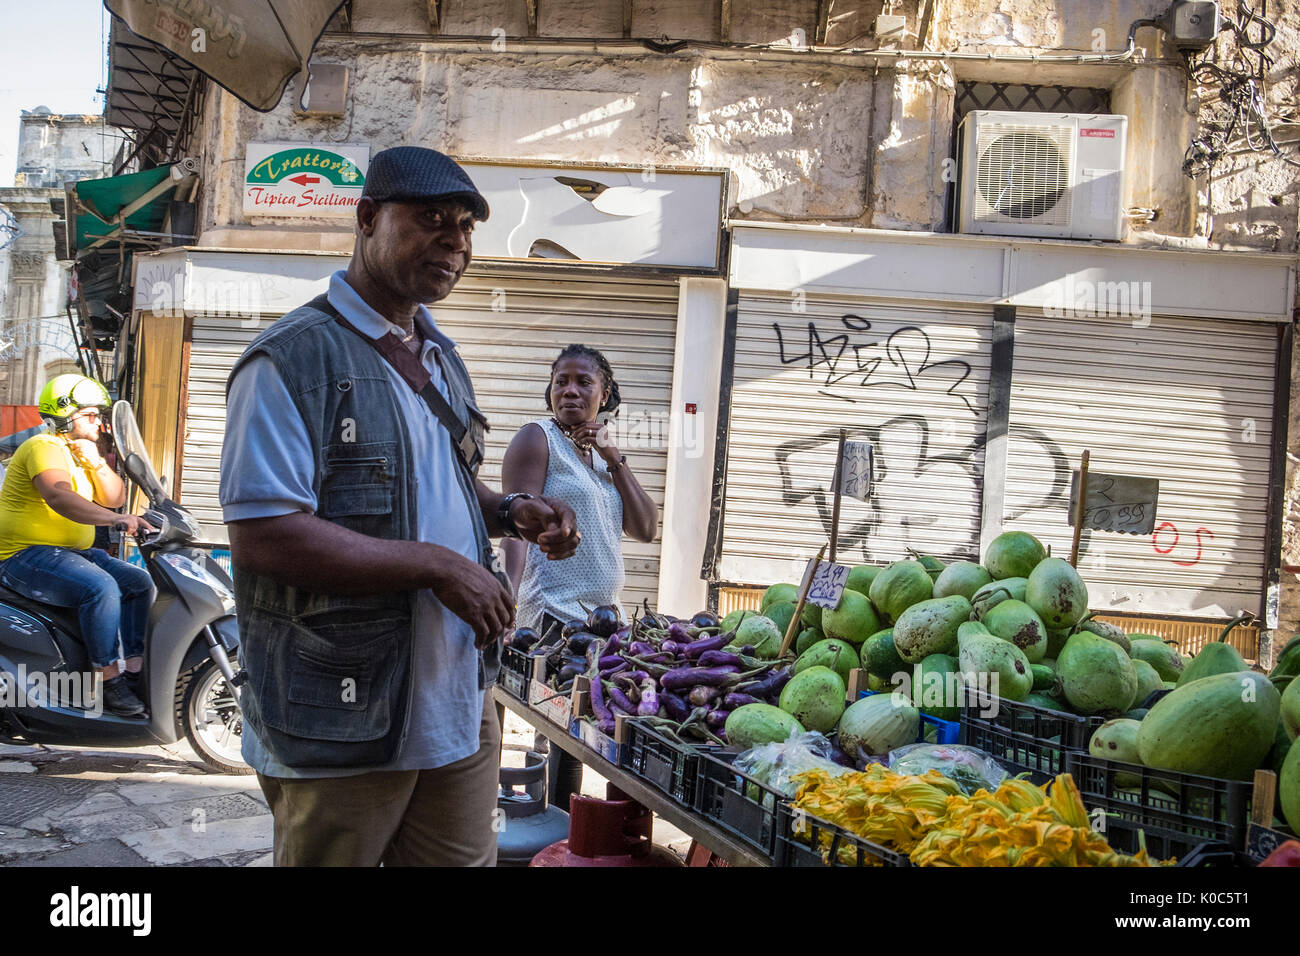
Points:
[[157, 806]]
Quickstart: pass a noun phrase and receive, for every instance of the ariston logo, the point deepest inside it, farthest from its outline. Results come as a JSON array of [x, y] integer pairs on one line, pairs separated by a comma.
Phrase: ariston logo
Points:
[[75, 909]]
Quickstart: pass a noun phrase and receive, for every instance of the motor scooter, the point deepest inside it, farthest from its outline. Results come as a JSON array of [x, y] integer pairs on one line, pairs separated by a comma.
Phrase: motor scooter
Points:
[[48, 688]]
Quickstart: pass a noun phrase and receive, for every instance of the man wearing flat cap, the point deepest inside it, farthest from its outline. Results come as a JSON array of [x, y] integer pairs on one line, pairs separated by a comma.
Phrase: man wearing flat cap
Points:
[[370, 603]]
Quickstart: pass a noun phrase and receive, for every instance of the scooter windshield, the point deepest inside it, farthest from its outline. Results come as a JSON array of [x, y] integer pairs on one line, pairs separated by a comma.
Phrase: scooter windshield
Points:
[[126, 434]]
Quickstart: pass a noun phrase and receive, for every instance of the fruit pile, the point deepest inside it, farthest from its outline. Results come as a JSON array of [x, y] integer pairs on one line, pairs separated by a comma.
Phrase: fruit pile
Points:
[[1017, 627]]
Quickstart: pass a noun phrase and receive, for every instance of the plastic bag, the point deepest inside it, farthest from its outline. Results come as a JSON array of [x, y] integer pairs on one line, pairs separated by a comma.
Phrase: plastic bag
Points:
[[776, 763], [968, 767]]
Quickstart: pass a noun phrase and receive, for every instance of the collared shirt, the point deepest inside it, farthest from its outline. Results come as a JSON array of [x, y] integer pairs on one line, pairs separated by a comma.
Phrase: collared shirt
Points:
[[267, 467]]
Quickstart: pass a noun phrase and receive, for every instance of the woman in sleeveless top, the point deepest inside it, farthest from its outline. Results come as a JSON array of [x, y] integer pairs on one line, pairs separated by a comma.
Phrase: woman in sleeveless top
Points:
[[571, 456]]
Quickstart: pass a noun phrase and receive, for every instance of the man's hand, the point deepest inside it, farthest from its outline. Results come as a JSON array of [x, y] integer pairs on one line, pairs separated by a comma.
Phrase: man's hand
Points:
[[474, 595], [88, 451], [549, 523], [133, 524]]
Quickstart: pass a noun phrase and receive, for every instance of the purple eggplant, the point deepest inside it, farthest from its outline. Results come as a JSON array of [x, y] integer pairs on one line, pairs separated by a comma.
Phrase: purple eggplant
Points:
[[604, 621], [680, 633], [704, 619], [768, 686], [573, 627], [702, 695], [610, 660], [619, 668], [642, 649], [649, 705], [712, 643], [718, 659], [618, 699], [672, 647], [683, 677], [736, 699], [717, 719], [674, 705], [599, 707], [639, 676]]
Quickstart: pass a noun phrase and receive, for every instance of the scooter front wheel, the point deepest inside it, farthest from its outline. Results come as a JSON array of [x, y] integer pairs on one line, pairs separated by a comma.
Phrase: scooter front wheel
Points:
[[211, 717]]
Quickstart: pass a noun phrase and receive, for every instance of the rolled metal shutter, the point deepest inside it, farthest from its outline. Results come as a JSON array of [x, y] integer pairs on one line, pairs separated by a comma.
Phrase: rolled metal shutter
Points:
[[216, 344], [1187, 401], [911, 379], [509, 326]]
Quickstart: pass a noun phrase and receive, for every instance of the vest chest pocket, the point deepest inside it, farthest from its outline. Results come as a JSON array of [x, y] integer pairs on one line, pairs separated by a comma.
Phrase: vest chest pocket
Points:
[[358, 487]]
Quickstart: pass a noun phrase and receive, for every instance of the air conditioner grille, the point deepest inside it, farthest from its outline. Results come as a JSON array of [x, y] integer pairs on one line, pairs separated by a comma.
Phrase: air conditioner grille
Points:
[[1023, 173]]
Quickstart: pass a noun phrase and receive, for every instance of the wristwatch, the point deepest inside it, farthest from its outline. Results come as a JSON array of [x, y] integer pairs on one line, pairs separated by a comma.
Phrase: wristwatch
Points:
[[504, 520]]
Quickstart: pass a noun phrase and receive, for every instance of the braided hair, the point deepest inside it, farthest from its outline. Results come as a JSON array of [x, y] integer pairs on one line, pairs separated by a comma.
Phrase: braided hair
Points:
[[583, 351]]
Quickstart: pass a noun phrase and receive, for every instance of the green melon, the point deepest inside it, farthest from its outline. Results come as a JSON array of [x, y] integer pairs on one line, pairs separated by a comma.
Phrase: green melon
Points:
[[961, 577], [839, 656], [1057, 593], [860, 578], [780, 613], [815, 698], [898, 587], [777, 593], [1219, 726], [1013, 554], [879, 656], [995, 592], [854, 619]]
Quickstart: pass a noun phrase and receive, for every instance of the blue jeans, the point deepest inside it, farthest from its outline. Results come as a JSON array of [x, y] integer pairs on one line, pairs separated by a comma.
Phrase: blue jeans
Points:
[[106, 592]]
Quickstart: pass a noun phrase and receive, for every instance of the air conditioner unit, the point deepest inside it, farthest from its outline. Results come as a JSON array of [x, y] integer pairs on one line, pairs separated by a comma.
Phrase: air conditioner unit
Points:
[[1049, 175]]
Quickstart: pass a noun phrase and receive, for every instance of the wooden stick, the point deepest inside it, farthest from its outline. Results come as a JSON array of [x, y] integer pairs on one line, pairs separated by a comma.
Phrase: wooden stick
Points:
[[793, 629], [838, 496], [1079, 508], [1263, 797]]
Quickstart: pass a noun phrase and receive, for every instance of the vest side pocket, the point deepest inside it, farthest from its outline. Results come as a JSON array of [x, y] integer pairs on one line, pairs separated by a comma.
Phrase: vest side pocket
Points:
[[326, 703]]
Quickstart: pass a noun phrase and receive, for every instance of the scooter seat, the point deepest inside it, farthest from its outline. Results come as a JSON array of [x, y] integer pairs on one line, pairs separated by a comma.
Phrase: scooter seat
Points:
[[65, 618]]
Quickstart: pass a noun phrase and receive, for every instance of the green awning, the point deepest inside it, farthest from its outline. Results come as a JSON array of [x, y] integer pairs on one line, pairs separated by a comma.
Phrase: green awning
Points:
[[101, 203]]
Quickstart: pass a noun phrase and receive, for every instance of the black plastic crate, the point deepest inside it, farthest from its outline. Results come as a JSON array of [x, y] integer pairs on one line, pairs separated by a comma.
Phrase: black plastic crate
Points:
[[1187, 849], [1025, 738], [737, 802], [1207, 809], [666, 765], [516, 672], [799, 837]]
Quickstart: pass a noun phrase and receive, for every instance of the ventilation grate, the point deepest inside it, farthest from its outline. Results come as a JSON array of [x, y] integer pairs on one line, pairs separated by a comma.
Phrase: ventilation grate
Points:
[[1023, 173]]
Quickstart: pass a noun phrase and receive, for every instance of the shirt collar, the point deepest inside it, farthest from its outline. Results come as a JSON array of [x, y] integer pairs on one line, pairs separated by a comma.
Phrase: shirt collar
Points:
[[369, 322]]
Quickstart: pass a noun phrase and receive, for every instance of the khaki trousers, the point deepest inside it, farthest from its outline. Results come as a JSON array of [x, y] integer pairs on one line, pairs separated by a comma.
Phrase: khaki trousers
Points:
[[441, 817]]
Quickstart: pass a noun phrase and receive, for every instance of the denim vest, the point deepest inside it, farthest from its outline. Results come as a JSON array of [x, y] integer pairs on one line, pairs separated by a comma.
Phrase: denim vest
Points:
[[329, 677]]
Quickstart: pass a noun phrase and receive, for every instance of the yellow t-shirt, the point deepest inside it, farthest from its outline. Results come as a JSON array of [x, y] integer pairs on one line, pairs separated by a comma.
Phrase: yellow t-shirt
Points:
[[25, 518]]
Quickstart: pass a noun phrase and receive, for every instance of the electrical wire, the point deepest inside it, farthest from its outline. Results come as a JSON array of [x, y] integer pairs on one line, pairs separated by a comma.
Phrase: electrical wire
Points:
[[1241, 110]]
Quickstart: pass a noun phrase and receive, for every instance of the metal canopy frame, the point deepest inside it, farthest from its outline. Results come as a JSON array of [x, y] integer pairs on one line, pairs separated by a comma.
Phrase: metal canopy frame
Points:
[[152, 94]]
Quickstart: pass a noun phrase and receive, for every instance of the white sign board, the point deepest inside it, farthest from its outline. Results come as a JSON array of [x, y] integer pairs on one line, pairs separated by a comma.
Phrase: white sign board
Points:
[[856, 470], [304, 180], [828, 585], [627, 215]]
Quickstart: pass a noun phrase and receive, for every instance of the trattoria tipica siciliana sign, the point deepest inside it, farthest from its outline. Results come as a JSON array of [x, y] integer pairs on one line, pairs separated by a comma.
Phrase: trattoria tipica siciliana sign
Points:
[[304, 180]]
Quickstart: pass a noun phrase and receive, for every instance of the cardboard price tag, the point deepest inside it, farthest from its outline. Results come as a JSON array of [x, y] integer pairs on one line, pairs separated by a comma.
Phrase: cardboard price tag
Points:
[[1120, 503], [856, 470], [828, 585]]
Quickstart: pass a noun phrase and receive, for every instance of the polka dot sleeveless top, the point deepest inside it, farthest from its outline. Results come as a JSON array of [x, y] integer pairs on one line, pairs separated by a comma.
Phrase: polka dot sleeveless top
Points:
[[594, 574]]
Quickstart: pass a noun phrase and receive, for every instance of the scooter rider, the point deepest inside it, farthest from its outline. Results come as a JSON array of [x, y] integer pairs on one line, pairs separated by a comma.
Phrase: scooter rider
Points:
[[58, 487]]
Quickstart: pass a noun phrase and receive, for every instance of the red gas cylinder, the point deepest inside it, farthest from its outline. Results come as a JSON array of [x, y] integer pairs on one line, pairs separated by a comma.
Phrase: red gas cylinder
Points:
[[611, 832]]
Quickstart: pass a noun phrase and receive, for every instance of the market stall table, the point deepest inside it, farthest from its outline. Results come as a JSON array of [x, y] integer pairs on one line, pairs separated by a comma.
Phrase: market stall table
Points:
[[718, 842]]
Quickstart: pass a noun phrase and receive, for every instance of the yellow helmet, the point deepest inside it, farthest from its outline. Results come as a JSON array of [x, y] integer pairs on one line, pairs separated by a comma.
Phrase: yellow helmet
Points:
[[64, 395]]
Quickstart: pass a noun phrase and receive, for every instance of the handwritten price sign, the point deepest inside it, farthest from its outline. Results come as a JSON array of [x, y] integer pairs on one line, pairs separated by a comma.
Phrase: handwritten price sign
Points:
[[856, 469], [828, 585], [1119, 503]]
